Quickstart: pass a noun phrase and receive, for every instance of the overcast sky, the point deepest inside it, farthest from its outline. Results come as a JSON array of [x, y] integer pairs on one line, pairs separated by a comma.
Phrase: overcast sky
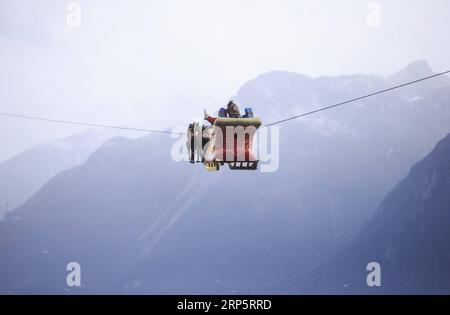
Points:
[[154, 64]]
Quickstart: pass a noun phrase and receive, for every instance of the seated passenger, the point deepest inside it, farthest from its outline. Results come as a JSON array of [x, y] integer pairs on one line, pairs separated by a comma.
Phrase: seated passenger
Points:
[[233, 110]]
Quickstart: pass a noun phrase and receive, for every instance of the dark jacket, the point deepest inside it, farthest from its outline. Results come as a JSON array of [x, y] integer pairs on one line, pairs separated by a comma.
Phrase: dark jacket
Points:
[[233, 110]]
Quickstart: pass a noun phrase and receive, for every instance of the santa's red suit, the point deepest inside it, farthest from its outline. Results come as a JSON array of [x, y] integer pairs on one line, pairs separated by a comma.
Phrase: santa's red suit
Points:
[[210, 119]]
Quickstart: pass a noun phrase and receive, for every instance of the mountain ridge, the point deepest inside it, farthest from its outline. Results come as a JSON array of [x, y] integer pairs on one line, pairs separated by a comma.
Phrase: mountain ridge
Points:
[[408, 236], [40, 163]]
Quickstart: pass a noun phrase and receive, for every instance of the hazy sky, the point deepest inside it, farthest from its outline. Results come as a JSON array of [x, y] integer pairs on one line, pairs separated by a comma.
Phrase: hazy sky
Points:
[[154, 64]]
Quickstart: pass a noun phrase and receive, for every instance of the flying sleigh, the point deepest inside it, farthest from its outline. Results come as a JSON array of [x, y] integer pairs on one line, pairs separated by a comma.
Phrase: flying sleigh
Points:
[[228, 140]]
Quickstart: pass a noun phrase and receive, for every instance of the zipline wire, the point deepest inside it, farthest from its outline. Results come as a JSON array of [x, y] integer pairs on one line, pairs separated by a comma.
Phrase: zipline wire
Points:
[[357, 98]]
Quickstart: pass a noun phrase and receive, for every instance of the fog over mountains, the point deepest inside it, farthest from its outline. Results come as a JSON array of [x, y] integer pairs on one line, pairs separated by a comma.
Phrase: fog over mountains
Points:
[[22, 175], [139, 222]]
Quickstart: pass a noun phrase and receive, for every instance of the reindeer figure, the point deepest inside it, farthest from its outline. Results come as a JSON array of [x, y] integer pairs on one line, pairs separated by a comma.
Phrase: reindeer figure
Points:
[[194, 142], [189, 142], [198, 137]]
